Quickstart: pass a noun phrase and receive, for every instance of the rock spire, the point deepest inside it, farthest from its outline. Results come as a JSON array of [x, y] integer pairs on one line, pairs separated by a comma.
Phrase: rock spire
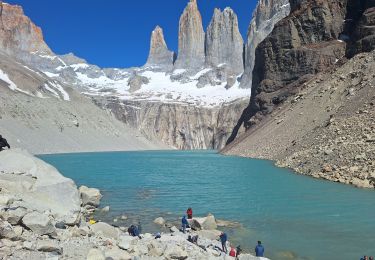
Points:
[[190, 38], [224, 43], [159, 54]]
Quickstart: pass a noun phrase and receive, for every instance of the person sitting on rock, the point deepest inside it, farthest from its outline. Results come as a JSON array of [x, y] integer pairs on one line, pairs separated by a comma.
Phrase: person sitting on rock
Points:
[[224, 239], [259, 249], [238, 251], [189, 213], [193, 239], [185, 224], [3, 143]]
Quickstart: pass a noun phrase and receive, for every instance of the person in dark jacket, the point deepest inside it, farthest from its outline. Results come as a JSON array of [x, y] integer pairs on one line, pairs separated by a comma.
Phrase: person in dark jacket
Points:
[[224, 239], [259, 249], [3, 143], [185, 224]]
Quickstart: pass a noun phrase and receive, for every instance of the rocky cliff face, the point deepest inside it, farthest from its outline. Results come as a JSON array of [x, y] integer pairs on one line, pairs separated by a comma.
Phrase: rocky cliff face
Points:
[[224, 43], [159, 54], [360, 27], [18, 32], [301, 45], [265, 16], [190, 38], [178, 125]]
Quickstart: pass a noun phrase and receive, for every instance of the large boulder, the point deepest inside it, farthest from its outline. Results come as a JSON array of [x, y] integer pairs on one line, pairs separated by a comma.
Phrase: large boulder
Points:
[[38, 186], [117, 254], [90, 196], [6, 231], [50, 246], [175, 252], [105, 230], [39, 223], [159, 221], [14, 215], [207, 223]]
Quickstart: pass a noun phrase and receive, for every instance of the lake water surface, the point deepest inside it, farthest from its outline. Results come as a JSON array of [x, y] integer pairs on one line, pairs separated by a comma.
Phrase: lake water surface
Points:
[[296, 217]]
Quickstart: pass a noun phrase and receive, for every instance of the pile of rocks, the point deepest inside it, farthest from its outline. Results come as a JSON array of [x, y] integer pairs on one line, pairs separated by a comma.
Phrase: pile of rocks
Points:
[[43, 216]]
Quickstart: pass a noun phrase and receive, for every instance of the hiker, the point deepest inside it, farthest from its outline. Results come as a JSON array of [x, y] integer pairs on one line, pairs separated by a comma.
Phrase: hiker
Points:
[[364, 258], [224, 239], [259, 249], [189, 213], [185, 224], [371, 258], [193, 239], [239, 250], [232, 252], [3, 143], [157, 235]]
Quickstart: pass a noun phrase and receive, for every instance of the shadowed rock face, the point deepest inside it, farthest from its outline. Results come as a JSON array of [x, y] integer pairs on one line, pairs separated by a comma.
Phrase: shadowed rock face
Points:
[[159, 53], [301, 45], [190, 38], [360, 26], [224, 43], [17, 32], [265, 16]]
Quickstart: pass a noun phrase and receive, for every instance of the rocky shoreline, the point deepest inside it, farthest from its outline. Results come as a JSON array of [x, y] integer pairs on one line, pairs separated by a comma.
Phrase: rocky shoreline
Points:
[[43, 215]]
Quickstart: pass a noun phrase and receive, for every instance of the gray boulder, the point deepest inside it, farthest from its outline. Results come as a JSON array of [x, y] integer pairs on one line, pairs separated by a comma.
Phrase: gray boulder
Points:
[[136, 81], [50, 246], [105, 230], [39, 223], [14, 215], [6, 231], [118, 254], [39, 186], [90, 196], [159, 221]]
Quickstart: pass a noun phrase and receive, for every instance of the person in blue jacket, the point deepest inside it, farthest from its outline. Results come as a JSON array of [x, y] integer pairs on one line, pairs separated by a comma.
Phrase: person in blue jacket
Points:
[[224, 239], [184, 223], [259, 249]]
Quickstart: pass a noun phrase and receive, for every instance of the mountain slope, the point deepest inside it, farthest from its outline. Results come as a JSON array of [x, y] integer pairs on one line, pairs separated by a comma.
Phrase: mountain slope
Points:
[[45, 116]]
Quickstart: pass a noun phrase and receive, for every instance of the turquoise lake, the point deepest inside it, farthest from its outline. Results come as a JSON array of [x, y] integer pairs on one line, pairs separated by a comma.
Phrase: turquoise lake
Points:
[[296, 217]]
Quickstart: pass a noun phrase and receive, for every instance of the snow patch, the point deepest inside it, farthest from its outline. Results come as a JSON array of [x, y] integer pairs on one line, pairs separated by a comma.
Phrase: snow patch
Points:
[[11, 85]]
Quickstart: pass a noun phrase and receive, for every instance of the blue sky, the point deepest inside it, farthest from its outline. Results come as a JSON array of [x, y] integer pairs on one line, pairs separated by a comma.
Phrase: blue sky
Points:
[[116, 33]]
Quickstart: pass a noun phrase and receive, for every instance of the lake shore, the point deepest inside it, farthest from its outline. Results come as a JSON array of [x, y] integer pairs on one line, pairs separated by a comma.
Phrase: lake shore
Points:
[[44, 216]]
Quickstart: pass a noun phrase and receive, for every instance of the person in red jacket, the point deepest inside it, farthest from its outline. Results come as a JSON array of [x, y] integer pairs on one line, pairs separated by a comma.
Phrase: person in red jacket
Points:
[[189, 213]]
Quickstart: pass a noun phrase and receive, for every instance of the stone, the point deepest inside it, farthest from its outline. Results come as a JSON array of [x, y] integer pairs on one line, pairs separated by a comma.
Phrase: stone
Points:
[[159, 221], [125, 242], [159, 54], [49, 246], [191, 38], [50, 190], [90, 196], [175, 252], [209, 223], [105, 209], [174, 229], [156, 249], [6, 200], [105, 230], [18, 230], [209, 234], [224, 43], [95, 254], [28, 245], [14, 215], [6, 231], [38, 223], [136, 81], [118, 254], [195, 224]]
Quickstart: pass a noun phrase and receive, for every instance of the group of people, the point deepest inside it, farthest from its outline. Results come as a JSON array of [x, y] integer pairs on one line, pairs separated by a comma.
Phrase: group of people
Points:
[[367, 258], [135, 231], [259, 249], [3, 143]]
